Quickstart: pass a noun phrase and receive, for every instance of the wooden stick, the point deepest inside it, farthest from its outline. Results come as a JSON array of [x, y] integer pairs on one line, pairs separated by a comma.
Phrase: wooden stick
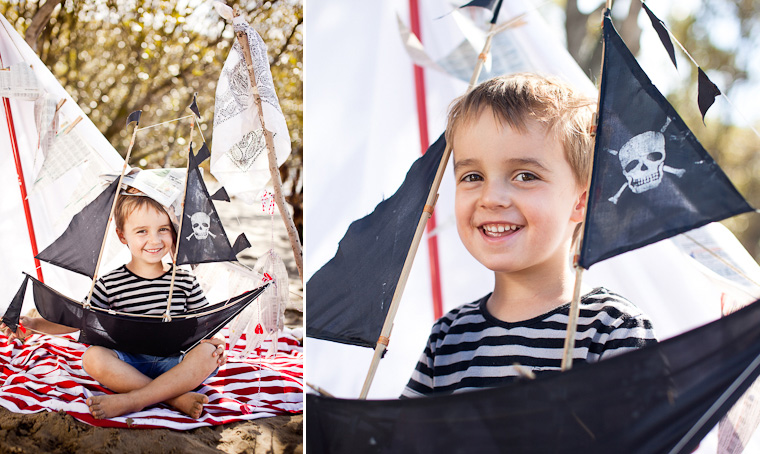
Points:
[[572, 321], [295, 242], [481, 58], [167, 314], [385, 333], [110, 217]]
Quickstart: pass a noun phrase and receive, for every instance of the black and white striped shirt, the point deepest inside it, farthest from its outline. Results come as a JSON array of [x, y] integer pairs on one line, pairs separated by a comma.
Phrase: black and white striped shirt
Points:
[[124, 291], [469, 348]]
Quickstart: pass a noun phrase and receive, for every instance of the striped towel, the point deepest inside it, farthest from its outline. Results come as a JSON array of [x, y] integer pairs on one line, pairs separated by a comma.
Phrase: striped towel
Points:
[[45, 374]]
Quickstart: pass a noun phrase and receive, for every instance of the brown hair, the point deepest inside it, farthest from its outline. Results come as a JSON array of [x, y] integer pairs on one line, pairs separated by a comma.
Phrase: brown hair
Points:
[[517, 99], [126, 204]]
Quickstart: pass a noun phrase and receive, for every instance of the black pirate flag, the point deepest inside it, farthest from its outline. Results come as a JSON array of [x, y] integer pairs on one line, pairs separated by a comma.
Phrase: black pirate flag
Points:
[[652, 179], [202, 238]]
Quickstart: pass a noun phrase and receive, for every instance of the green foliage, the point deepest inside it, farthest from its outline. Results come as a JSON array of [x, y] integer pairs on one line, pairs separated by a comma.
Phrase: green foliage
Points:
[[118, 56]]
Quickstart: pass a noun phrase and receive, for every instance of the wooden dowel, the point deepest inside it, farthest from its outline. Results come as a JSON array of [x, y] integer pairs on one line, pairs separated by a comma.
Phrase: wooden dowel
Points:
[[167, 314], [295, 242], [572, 322], [110, 217], [385, 333]]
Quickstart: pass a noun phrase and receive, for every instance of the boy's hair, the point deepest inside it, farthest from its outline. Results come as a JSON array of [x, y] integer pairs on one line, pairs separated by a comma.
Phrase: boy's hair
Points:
[[127, 204], [517, 99]]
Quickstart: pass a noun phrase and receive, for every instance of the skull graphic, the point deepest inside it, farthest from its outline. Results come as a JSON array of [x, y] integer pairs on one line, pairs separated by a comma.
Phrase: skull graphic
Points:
[[201, 223], [642, 159]]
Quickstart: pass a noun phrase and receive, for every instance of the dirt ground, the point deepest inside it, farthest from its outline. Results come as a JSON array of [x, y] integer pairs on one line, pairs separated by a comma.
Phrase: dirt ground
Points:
[[57, 432]]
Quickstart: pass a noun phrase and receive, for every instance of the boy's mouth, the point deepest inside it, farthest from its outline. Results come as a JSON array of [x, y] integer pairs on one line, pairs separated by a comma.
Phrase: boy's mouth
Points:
[[499, 230], [154, 251]]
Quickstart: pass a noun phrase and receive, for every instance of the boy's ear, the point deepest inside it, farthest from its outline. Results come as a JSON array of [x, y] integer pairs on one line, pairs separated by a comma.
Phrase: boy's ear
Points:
[[120, 234], [579, 210]]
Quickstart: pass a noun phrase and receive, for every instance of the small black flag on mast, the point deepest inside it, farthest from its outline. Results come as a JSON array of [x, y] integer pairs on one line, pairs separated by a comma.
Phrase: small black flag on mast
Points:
[[134, 116], [662, 32], [707, 91], [194, 107], [651, 178]]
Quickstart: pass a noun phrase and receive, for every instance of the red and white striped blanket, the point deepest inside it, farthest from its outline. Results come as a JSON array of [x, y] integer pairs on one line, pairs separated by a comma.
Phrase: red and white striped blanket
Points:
[[45, 374]]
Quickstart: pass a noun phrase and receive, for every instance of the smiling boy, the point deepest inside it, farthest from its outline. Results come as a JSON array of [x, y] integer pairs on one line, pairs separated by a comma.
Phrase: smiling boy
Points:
[[522, 156], [142, 287]]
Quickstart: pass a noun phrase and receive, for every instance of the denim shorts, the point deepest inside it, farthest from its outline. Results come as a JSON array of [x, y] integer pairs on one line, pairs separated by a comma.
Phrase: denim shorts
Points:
[[153, 366]]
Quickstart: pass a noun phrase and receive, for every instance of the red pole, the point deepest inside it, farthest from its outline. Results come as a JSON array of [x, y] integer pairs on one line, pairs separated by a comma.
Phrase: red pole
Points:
[[21, 183], [419, 85]]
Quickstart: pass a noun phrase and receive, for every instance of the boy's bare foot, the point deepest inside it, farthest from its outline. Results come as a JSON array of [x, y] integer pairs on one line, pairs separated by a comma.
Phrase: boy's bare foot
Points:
[[112, 405], [190, 404]]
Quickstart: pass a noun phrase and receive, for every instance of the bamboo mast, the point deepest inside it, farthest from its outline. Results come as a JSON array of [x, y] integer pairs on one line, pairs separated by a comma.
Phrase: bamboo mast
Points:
[[110, 215], [295, 242], [572, 321], [167, 314], [385, 332]]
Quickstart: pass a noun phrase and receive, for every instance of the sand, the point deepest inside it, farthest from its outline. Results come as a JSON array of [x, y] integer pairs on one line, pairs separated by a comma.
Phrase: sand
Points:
[[57, 432]]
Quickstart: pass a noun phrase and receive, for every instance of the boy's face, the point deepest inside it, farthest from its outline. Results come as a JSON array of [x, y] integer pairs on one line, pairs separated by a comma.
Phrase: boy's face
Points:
[[148, 234], [517, 201]]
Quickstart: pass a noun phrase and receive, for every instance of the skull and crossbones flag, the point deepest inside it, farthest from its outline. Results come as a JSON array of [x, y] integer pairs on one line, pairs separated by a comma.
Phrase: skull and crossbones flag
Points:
[[202, 238], [652, 179]]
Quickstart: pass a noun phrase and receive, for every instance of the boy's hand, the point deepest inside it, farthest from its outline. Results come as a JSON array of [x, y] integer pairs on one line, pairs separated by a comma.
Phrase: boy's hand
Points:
[[220, 351], [22, 332]]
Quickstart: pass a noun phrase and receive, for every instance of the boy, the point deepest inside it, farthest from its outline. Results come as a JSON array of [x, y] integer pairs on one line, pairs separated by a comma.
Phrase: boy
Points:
[[522, 157], [142, 287]]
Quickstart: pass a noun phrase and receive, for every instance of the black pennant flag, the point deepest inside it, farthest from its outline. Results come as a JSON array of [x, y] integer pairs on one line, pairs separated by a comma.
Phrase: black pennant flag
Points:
[[707, 91], [241, 242], [662, 32], [652, 179], [493, 5], [77, 249], [13, 313], [134, 116], [221, 195], [202, 238], [350, 295], [194, 107], [202, 155]]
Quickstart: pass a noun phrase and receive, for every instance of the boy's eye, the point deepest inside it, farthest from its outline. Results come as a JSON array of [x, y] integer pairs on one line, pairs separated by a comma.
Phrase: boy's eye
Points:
[[470, 177], [526, 176]]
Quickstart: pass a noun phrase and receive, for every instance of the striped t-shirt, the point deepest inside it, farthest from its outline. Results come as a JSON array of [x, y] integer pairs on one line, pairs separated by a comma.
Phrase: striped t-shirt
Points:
[[469, 348], [124, 291]]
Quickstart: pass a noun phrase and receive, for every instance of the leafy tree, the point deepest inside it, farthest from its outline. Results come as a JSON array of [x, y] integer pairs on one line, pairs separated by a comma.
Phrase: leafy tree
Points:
[[117, 56]]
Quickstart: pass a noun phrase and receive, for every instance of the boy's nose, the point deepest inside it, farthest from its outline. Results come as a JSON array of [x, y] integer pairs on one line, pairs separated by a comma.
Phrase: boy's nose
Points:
[[496, 194]]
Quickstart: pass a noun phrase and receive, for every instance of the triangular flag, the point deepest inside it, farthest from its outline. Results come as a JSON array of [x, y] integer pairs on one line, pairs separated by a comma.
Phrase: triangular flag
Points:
[[239, 152], [221, 195], [77, 249], [350, 295], [134, 116], [651, 179], [194, 107], [707, 91], [493, 5], [202, 238], [662, 32], [13, 313]]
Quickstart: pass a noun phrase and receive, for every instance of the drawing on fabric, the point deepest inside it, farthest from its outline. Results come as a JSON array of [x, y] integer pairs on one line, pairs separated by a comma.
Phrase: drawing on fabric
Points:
[[642, 160]]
